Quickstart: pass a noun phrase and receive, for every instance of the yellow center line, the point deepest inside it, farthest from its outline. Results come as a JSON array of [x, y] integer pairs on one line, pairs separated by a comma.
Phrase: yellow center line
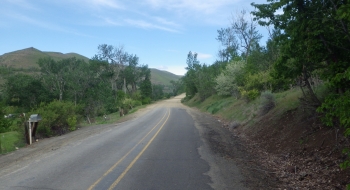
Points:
[[137, 157], [119, 161]]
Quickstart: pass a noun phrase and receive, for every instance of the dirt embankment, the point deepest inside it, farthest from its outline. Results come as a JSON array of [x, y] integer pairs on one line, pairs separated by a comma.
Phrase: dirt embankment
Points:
[[295, 151]]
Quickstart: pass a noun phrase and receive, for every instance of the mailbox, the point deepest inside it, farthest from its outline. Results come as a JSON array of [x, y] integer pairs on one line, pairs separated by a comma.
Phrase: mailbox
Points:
[[35, 118], [31, 127]]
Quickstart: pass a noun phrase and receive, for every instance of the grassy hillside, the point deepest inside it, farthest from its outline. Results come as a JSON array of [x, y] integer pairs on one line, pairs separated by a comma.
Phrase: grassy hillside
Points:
[[57, 56], [163, 77], [27, 58]]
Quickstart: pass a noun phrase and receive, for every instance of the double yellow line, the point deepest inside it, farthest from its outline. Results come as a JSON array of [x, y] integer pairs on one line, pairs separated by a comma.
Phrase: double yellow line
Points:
[[135, 159]]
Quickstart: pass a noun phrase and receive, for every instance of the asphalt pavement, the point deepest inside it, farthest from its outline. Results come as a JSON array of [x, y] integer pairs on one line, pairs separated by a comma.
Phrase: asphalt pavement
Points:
[[158, 150]]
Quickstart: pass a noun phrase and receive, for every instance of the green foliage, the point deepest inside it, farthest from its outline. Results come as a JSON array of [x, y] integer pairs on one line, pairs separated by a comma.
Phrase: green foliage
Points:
[[157, 92], [249, 95], [72, 123], [228, 82], [259, 81], [25, 91], [57, 117], [146, 100], [146, 87], [5, 123], [336, 108]]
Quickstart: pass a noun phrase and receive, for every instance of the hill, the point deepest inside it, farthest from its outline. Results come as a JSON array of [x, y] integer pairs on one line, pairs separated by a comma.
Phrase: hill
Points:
[[163, 77], [26, 59]]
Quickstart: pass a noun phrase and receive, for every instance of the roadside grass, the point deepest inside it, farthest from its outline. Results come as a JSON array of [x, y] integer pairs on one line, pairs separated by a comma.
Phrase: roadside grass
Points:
[[247, 113], [9, 141]]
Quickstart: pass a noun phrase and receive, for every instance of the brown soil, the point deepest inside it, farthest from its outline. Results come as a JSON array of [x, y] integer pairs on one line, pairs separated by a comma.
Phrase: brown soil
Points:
[[298, 151]]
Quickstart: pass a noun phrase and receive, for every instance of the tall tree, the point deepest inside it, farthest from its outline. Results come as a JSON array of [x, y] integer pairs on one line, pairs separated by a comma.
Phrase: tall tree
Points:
[[53, 75], [227, 38], [116, 57], [246, 31]]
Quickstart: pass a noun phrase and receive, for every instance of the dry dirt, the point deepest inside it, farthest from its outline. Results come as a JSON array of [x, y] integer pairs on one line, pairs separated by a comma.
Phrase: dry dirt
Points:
[[299, 152]]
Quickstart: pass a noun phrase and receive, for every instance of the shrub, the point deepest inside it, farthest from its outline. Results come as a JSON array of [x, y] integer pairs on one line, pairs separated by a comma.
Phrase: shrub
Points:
[[137, 103], [250, 94], [146, 100], [72, 123], [57, 117], [267, 102], [5, 123]]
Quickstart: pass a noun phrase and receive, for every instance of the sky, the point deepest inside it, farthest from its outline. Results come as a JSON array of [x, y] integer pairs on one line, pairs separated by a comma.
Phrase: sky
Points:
[[159, 32]]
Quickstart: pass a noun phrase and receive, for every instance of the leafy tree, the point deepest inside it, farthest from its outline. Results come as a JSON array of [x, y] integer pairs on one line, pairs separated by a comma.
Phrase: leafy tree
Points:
[[190, 78], [227, 38], [146, 87], [25, 91], [116, 57], [229, 81], [157, 92], [54, 77], [177, 86]]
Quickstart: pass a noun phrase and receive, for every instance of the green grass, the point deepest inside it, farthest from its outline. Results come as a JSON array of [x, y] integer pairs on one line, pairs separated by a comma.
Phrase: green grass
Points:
[[163, 77], [9, 141], [232, 109]]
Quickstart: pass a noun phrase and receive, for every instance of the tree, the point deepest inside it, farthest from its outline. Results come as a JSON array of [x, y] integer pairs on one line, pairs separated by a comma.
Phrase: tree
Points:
[[25, 91], [190, 78], [116, 57], [53, 75], [227, 38], [229, 81], [245, 31], [146, 87]]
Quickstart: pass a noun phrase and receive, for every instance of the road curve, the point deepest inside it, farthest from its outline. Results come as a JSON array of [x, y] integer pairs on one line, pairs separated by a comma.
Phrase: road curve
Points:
[[157, 150]]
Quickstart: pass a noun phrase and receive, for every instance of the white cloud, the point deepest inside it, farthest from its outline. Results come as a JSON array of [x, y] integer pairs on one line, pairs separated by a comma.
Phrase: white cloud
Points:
[[165, 21], [203, 6], [109, 21], [204, 56], [22, 3], [177, 70], [42, 24], [103, 3], [162, 67], [148, 25]]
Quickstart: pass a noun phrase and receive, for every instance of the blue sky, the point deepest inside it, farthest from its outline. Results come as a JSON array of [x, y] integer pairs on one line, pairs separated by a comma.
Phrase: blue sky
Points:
[[159, 32]]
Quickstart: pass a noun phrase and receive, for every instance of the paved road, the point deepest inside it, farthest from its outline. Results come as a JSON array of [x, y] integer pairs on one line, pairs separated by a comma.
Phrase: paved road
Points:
[[157, 150]]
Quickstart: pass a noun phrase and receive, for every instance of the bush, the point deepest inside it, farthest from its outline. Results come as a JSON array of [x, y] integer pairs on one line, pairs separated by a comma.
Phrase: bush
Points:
[[250, 94], [5, 123], [267, 102], [137, 103], [146, 100], [57, 117], [72, 123]]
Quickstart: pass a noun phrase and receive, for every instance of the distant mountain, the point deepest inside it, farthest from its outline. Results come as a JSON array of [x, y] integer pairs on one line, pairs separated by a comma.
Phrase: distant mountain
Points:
[[28, 58], [163, 77]]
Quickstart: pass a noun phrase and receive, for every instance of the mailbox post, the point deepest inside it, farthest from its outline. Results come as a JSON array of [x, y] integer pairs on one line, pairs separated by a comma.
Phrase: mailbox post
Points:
[[32, 126]]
